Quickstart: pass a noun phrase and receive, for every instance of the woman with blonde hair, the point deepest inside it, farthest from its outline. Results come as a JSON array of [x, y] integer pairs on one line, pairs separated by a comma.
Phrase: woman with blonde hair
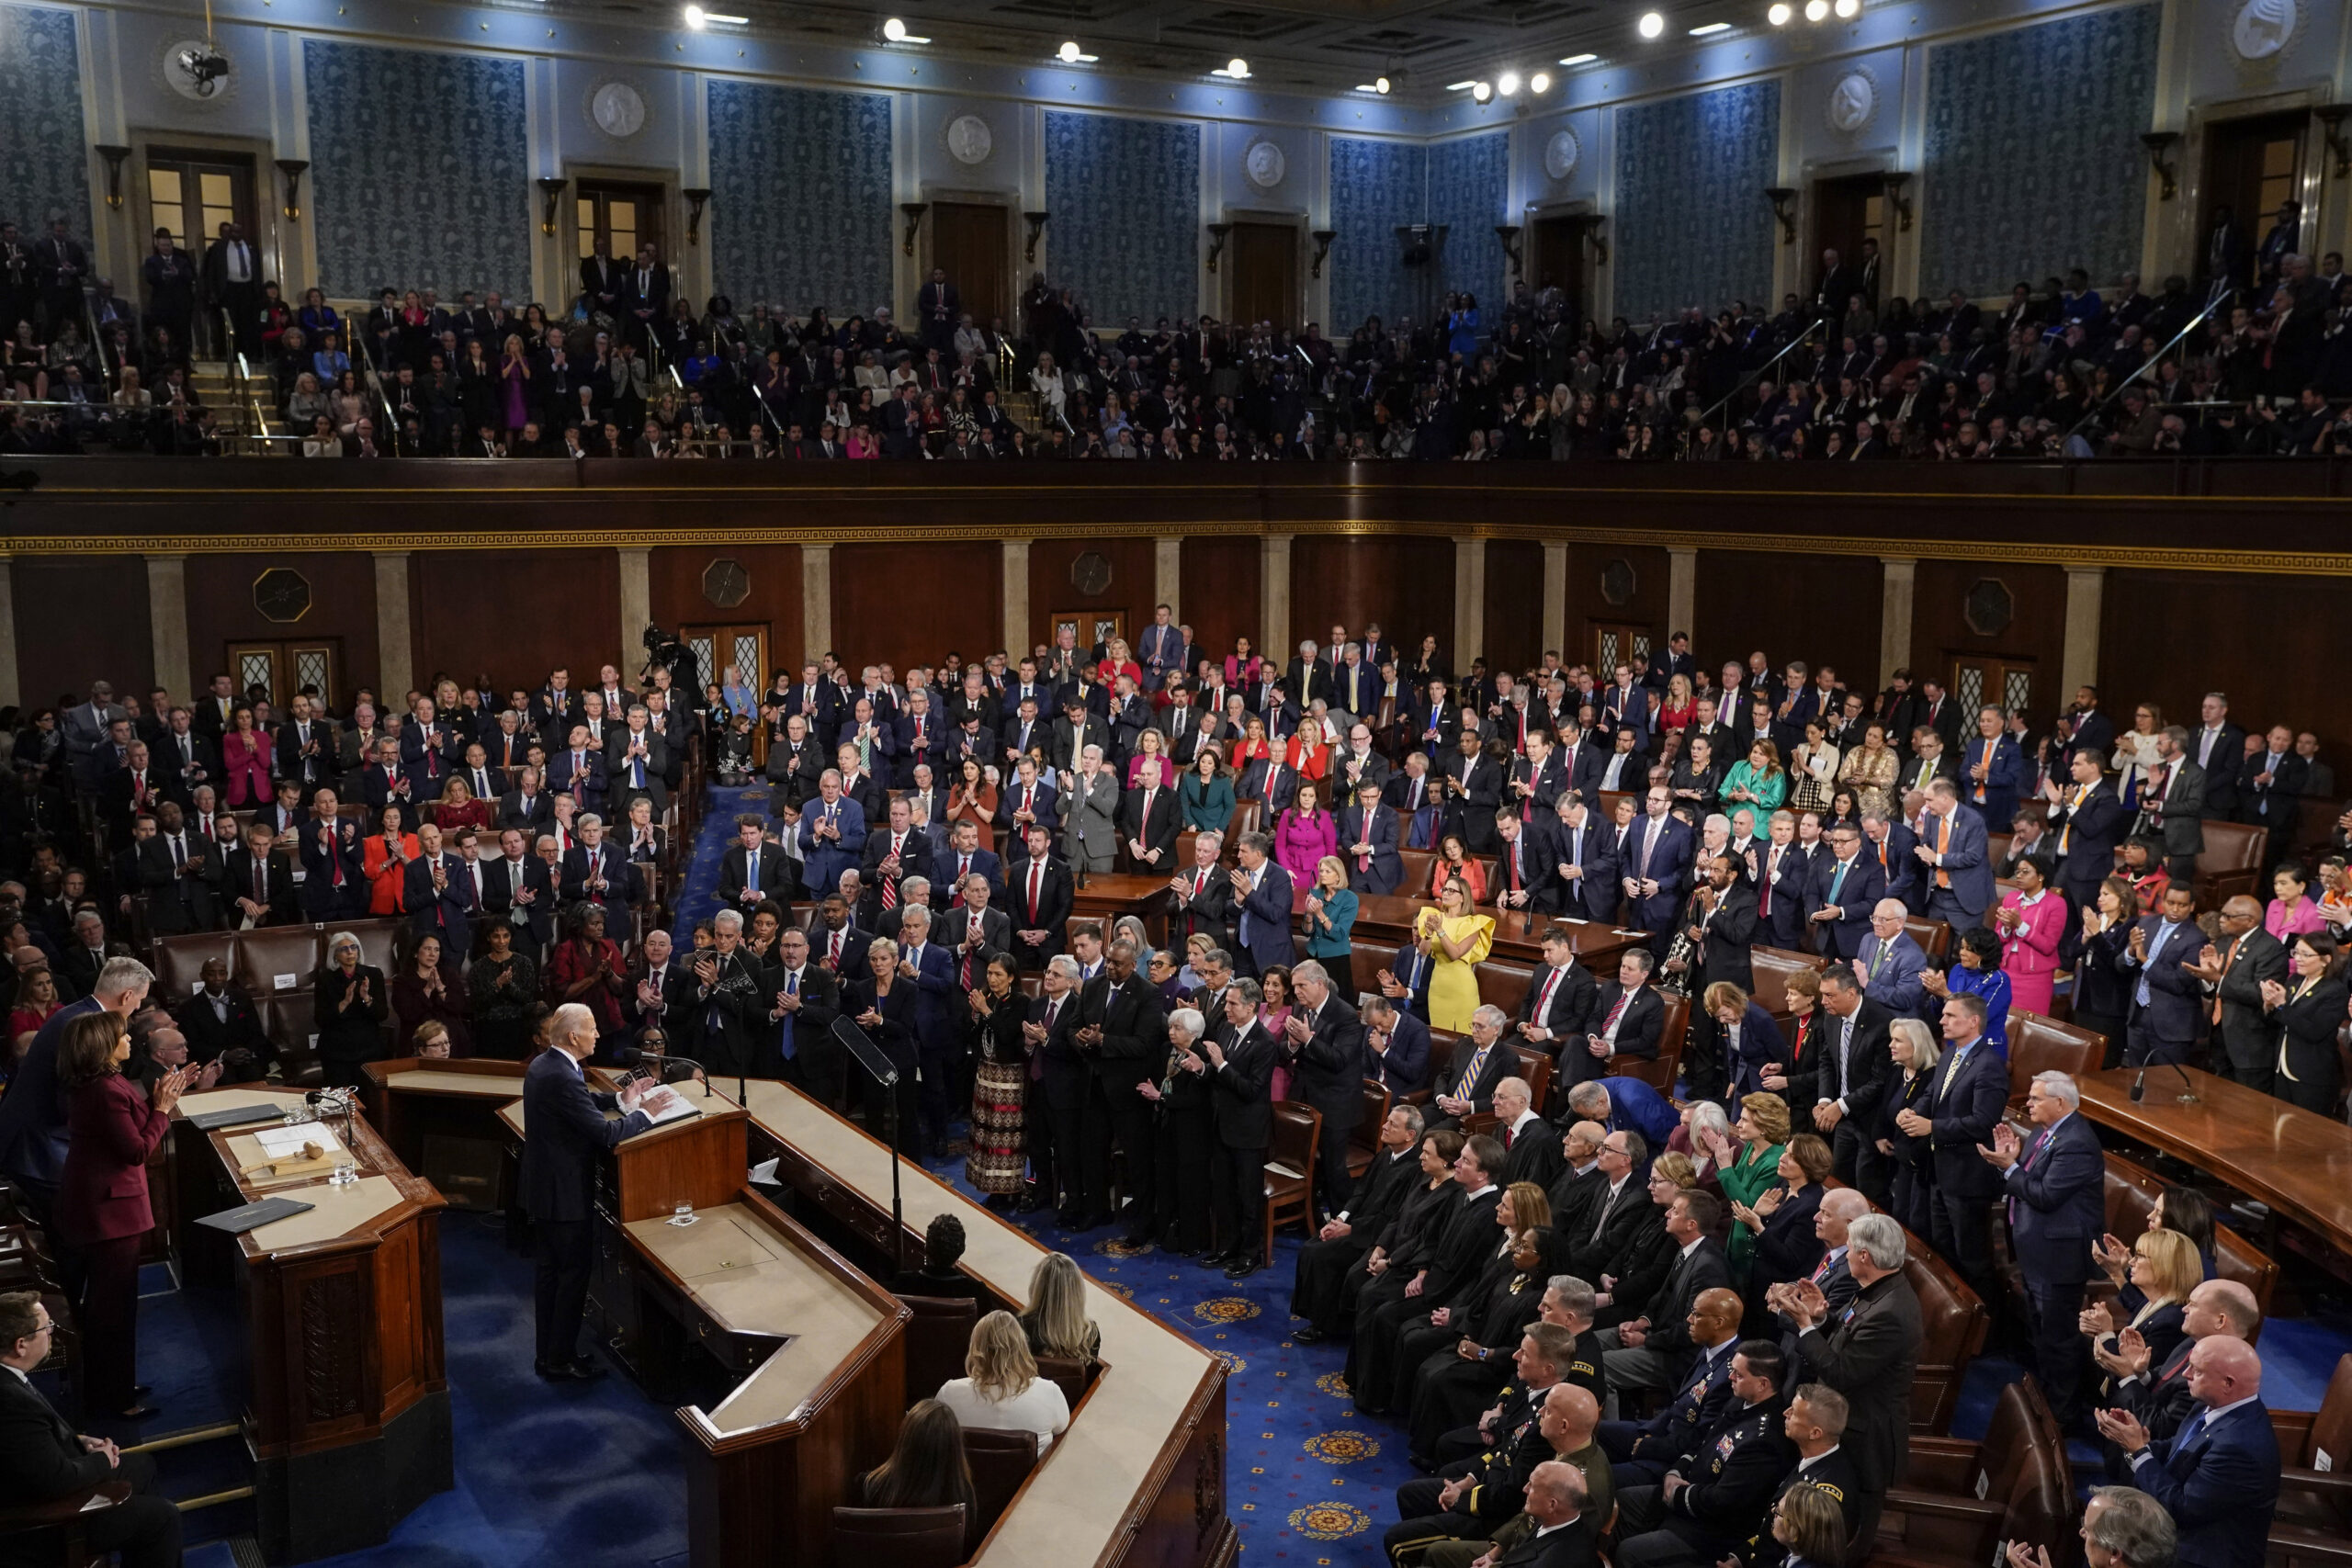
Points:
[[2164, 1268], [1762, 1130], [1913, 1046], [1001, 1389], [1056, 1321]]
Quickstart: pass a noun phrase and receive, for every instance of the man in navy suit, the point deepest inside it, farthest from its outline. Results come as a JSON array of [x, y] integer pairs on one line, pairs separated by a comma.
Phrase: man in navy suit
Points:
[[430, 746], [1583, 881], [2085, 822], [1891, 843], [1368, 835], [937, 1032], [752, 871], [334, 885], [1160, 649], [568, 1132], [1655, 871], [1400, 1043], [1626, 1105], [597, 871], [2166, 996], [832, 835], [579, 771], [1262, 925], [1406, 981], [963, 857], [1956, 871], [1846, 885], [1971, 1089], [1856, 1071], [816, 700], [1992, 770], [1890, 962], [440, 896], [518, 888], [2057, 1207], [2218, 1476]]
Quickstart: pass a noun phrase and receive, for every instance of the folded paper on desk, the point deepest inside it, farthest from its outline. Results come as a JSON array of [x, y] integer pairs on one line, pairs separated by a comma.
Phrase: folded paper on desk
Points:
[[666, 1105], [280, 1142], [254, 1215]]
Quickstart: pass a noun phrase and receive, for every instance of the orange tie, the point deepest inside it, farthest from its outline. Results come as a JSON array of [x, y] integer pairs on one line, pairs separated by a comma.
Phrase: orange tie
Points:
[[1944, 841]]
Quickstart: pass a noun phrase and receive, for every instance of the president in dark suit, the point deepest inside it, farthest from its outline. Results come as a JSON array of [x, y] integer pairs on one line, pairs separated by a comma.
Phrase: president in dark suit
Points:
[[567, 1135], [43, 1459], [2057, 1190]]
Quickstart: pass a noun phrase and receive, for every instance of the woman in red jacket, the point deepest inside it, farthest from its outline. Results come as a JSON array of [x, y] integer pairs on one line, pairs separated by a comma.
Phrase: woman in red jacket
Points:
[[102, 1198], [244, 757]]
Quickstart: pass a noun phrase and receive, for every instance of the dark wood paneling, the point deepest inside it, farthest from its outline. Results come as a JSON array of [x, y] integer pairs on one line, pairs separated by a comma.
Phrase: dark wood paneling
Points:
[[1222, 579], [343, 606], [2278, 646], [909, 604], [2036, 632], [80, 620], [1133, 589], [1514, 606], [1405, 583], [1822, 609], [515, 614], [674, 583], [1590, 607]]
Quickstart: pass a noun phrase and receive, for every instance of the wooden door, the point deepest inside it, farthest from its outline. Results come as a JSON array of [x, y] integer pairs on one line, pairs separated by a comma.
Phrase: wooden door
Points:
[[1615, 643], [278, 671], [1093, 628], [628, 215], [192, 194], [746, 648], [1264, 259], [1975, 681], [972, 241], [2251, 166], [1556, 261], [1846, 211]]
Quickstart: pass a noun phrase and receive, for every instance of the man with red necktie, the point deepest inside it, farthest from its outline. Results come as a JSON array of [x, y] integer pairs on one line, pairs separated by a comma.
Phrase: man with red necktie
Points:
[[1042, 894]]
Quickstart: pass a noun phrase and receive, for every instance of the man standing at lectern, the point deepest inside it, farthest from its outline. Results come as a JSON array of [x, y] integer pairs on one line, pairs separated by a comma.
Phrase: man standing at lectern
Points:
[[567, 1131]]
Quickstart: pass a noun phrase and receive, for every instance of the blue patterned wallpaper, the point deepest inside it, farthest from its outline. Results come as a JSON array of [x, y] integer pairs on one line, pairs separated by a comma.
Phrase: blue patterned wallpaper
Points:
[[820, 233], [1691, 226], [1125, 195], [1470, 192], [420, 170], [43, 169], [2061, 104], [1374, 186]]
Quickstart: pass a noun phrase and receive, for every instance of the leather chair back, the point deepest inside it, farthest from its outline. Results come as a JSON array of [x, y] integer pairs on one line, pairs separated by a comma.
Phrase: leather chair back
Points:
[[179, 961], [2231, 862], [378, 941], [1953, 1323], [1504, 984], [1000, 1462], [1773, 966], [1934, 937], [272, 954], [2042, 1044], [1536, 1068], [2133, 1190], [1417, 864], [1364, 1138], [1289, 1181], [938, 1338], [898, 1538], [1659, 1075], [1072, 1374], [2331, 1432]]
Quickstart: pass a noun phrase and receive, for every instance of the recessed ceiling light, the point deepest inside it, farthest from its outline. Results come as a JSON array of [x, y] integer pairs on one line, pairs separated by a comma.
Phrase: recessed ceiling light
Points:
[[1236, 68], [1849, 9], [1068, 51], [1482, 91], [1579, 60], [1815, 10], [1540, 83], [1710, 28], [1381, 86], [1508, 84], [1779, 14], [1653, 23], [896, 31], [694, 17]]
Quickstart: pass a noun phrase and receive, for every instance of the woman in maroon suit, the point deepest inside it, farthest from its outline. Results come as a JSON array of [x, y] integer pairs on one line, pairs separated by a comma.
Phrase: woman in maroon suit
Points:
[[102, 1198]]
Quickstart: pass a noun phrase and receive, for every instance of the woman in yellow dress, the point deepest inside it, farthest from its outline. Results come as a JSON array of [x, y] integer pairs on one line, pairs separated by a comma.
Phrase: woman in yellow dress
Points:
[[1457, 938]]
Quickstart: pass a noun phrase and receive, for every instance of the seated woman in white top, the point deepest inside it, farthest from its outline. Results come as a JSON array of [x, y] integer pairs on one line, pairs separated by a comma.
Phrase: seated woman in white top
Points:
[[1001, 1389]]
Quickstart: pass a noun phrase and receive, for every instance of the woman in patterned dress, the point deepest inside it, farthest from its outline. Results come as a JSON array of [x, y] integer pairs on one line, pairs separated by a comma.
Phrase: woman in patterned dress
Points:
[[999, 1159]]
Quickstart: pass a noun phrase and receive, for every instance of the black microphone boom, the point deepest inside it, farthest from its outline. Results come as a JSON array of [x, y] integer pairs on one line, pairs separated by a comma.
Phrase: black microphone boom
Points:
[[869, 1055]]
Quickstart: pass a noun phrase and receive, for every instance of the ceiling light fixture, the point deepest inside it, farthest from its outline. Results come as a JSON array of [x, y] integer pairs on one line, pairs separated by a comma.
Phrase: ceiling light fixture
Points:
[[1482, 91], [1508, 84], [1579, 60], [1709, 28], [1849, 10], [694, 17], [1779, 14], [1381, 86], [1653, 23], [1236, 68], [1459, 87], [1069, 51], [896, 31], [1539, 83], [1815, 10]]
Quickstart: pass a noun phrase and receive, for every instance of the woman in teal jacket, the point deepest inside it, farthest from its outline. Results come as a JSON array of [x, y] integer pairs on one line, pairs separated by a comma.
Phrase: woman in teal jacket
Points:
[[1205, 797]]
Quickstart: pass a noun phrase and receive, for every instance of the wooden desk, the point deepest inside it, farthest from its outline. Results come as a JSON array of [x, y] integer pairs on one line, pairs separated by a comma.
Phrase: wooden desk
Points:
[[1139, 1477], [1389, 919], [2298, 1163], [825, 1351], [1107, 896], [423, 1103], [346, 1390]]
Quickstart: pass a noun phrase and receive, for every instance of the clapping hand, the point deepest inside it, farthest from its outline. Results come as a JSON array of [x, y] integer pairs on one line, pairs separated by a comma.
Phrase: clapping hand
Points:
[[2022, 1555], [1806, 1305], [2122, 1428]]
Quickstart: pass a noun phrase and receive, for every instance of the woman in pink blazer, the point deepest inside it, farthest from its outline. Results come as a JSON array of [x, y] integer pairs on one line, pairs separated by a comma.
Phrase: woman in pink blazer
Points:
[[1304, 835], [244, 754], [102, 1197], [2030, 922]]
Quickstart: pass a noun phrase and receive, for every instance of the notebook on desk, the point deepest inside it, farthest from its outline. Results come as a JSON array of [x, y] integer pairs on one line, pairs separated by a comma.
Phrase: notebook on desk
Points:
[[665, 1105], [256, 1215], [236, 1116]]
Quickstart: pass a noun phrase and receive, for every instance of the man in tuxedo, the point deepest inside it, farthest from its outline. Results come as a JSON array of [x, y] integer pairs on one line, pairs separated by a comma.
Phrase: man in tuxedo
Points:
[[1971, 1092], [2056, 1192], [1656, 870], [1368, 838], [519, 889], [2167, 993], [2232, 968], [1627, 1017], [753, 870], [1041, 888], [570, 1136], [2088, 821], [2218, 1477], [1957, 869], [1261, 890], [1856, 1074], [1203, 892], [1323, 1043], [42, 1458]]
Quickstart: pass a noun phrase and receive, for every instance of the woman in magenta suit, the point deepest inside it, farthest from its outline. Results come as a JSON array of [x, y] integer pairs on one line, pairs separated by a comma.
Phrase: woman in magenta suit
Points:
[[245, 755], [1304, 835], [2029, 923], [102, 1198]]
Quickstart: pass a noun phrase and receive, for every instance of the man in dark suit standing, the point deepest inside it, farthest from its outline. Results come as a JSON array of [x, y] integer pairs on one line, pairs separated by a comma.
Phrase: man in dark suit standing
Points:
[[261, 883], [1655, 868], [518, 888], [2269, 782], [1584, 880], [2057, 1206], [2171, 803], [1955, 867], [1123, 1035], [1855, 1073], [1369, 834], [2167, 993], [1148, 821], [752, 871], [179, 870], [334, 881], [1972, 1089], [2086, 821], [42, 1458], [1204, 899], [602, 280], [1324, 1046], [2218, 746], [1475, 779], [1239, 1059], [2233, 971], [568, 1133], [1262, 891], [2218, 1476], [645, 297], [1041, 889], [1060, 1073], [1869, 1353]]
